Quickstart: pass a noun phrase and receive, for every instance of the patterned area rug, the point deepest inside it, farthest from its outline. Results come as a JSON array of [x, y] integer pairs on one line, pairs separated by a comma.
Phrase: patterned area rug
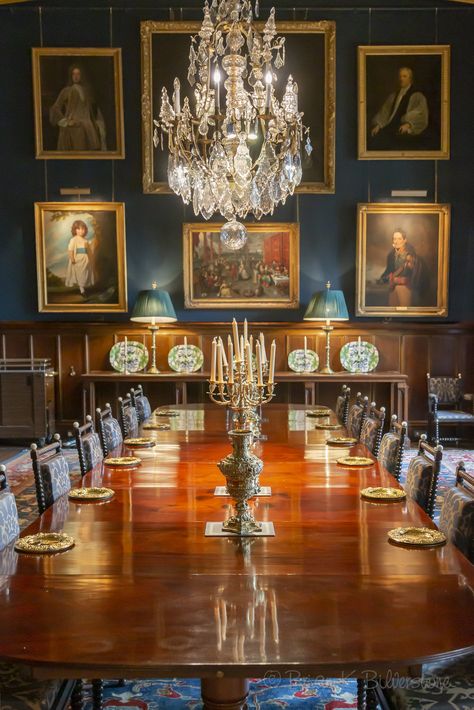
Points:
[[266, 694]]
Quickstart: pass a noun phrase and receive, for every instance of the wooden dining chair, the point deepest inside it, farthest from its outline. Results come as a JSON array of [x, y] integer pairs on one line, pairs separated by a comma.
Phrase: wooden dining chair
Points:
[[457, 513], [108, 428], [342, 405], [141, 403], [88, 444], [372, 429], [127, 416], [392, 446], [51, 473], [422, 475], [356, 416], [446, 399], [9, 524]]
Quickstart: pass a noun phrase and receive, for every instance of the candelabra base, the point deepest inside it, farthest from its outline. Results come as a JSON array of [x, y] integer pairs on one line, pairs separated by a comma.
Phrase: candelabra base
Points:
[[221, 492], [326, 371], [266, 529], [153, 371]]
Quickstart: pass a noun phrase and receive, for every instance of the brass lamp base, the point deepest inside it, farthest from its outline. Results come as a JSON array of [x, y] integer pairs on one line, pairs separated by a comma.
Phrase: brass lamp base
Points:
[[153, 370], [327, 370]]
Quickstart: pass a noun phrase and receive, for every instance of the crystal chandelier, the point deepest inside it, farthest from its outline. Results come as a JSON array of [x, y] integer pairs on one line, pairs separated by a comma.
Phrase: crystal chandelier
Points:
[[238, 151]]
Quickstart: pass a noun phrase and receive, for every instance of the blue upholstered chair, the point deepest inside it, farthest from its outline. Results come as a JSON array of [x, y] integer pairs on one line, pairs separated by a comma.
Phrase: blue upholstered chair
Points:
[[372, 429], [88, 444], [342, 405], [445, 406], [127, 416], [356, 416], [392, 446], [422, 475], [18, 689], [457, 514], [108, 428], [141, 403], [51, 472]]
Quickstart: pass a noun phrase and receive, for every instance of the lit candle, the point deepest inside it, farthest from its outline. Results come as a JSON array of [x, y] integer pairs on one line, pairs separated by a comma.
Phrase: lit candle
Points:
[[177, 96], [217, 81], [305, 352], [249, 363], [231, 360], [246, 331], [224, 358], [213, 361], [235, 331], [251, 343], [271, 369], [242, 348], [262, 345], [258, 352], [220, 363]]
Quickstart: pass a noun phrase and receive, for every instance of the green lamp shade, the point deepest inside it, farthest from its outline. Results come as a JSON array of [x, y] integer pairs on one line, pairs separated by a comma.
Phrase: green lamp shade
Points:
[[153, 306], [327, 305]]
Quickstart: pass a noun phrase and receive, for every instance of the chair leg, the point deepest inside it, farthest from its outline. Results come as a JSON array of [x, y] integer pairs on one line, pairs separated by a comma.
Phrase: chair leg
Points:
[[371, 696], [361, 694], [77, 696], [97, 694]]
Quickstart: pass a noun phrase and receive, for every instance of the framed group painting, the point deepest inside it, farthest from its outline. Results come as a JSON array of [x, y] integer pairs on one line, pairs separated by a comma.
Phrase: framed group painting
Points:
[[404, 102], [310, 59], [263, 274], [78, 103], [80, 257], [402, 260]]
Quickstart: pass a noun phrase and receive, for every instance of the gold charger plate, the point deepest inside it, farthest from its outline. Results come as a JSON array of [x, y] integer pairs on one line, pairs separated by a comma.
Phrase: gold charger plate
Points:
[[167, 413], [328, 426], [91, 493], [318, 413], [355, 461], [341, 441], [385, 494], [126, 461], [157, 427], [419, 537], [140, 441], [45, 542]]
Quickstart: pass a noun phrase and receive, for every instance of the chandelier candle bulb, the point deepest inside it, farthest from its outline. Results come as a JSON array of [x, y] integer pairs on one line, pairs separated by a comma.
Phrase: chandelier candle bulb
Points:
[[258, 352], [262, 346], [251, 343], [249, 363], [242, 347], [220, 363], [271, 369], [231, 361], [224, 358]]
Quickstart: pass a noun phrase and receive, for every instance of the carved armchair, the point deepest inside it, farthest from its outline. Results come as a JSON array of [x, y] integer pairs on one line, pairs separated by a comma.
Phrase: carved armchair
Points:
[[446, 400]]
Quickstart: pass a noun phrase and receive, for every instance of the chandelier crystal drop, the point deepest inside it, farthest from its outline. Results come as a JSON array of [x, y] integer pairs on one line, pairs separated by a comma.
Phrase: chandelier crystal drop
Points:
[[238, 150]]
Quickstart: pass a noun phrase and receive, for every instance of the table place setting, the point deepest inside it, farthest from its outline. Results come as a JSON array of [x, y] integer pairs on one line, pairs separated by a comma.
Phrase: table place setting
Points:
[[341, 441], [166, 413], [386, 495], [318, 412], [139, 442], [329, 427], [122, 461], [91, 494], [44, 543], [355, 461], [416, 537]]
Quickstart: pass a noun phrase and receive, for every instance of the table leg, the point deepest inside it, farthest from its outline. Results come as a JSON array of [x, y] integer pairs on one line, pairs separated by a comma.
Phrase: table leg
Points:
[[224, 693]]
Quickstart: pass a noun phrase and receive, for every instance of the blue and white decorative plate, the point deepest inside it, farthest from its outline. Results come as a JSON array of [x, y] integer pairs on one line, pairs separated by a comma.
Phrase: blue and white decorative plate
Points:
[[137, 356], [298, 363], [185, 358], [359, 356]]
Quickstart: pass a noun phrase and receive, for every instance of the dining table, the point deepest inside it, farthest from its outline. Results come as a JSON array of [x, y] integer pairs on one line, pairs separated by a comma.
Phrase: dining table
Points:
[[144, 593]]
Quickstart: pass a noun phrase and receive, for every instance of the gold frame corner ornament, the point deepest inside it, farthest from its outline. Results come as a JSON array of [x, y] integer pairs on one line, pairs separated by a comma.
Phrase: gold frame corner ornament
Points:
[[439, 310], [327, 27], [119, 209], [444, 50], [116, 54], [293, 300]]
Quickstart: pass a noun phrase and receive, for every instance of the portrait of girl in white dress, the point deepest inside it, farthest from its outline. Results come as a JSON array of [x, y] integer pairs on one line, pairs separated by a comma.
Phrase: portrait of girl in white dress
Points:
[[80, 272]]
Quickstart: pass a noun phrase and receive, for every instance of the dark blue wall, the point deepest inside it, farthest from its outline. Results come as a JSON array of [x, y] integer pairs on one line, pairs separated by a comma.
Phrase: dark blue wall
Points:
[[153, 223]]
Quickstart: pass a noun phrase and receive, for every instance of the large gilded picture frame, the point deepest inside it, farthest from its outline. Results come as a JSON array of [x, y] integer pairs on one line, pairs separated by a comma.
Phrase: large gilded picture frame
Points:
[[311, 59], [78, 103], [404, 102], [402, 260], [263, 274], [80, 257]]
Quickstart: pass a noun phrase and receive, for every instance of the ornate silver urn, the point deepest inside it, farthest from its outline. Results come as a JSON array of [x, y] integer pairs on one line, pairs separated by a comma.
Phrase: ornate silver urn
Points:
[[241, 469]]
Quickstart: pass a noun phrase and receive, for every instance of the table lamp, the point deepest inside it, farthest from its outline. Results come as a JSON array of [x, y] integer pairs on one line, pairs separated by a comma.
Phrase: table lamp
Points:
[[327, 305], [153, 306]]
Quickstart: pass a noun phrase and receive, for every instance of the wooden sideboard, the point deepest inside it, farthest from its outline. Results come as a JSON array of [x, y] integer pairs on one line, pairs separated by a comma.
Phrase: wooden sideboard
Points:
[[80, 348], [310, 382]]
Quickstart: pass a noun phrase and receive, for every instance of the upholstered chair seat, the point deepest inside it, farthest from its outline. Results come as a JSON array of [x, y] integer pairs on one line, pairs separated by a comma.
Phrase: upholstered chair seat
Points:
[[356, 416], [342, 405], [446, 415], [422, 476], [131, 420], [93, 453], [112, 433], [9, 526], [128, 416], [457, 520], [388, 451], [56, 480], [371, 430], [143, 407]]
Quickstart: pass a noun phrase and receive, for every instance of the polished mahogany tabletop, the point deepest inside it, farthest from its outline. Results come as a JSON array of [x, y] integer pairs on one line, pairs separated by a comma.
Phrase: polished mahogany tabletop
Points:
[[145, 593]]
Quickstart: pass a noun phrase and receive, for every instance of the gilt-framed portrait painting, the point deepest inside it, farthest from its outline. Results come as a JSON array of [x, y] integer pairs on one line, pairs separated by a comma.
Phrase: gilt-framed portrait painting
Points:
[[404, 102], [310, 59], [80, 257], [402, 260], [78, 103], [263, 274]]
